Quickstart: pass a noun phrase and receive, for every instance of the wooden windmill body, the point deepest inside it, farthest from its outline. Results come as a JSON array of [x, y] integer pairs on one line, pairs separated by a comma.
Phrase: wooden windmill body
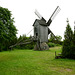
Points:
[[41, 30]]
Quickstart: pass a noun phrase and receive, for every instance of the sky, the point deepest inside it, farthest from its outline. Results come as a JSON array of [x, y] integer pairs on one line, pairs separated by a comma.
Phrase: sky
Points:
[[24, 16]]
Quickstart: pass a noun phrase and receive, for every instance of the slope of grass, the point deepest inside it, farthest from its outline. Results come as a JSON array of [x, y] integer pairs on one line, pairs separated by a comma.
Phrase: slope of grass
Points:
[[29, 62]]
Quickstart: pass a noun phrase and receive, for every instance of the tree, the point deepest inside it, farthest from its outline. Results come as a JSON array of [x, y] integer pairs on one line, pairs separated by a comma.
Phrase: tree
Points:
[[74, 37], [52, 38], [68, 33], [7, 29], [55, 39], [68, 50], [59, 37]]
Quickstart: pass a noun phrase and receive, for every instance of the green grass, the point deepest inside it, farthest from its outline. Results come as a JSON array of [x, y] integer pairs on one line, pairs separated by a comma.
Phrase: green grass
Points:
[[29, 62]]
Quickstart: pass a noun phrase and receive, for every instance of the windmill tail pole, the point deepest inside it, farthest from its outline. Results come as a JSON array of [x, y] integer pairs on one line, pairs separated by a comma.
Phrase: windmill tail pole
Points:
[[53, 15], [23, 43]]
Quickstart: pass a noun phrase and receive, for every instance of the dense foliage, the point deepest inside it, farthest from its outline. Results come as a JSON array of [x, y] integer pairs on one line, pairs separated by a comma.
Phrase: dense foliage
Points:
[[68, 50], [7, 29], [55, 39], [25, 42], [50, 44]]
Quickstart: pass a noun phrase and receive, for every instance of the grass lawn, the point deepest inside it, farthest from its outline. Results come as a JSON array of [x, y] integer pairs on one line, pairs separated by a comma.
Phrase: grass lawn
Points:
[[29, 62]]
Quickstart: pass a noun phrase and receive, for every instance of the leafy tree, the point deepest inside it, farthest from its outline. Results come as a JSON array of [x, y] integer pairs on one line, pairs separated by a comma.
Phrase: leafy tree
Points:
[[68, 50], [52, 38], [59, 37], [55, 39], [7, 29]]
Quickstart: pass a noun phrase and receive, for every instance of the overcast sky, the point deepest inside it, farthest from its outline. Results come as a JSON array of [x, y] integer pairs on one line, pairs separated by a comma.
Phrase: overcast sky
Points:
[[23, 12]]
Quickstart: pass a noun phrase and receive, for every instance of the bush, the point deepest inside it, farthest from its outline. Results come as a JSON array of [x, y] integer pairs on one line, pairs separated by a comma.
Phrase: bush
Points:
[[50, 44]]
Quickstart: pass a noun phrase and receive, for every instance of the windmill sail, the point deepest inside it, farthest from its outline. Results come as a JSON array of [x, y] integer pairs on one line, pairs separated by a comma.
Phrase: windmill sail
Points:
[[38, 14], [53, 15]]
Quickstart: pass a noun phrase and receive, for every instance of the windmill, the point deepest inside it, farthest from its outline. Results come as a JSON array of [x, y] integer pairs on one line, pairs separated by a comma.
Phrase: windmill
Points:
[[41, 30]]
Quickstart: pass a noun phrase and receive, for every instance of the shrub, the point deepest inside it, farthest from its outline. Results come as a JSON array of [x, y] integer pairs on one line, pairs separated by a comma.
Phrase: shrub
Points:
[[50, 44]]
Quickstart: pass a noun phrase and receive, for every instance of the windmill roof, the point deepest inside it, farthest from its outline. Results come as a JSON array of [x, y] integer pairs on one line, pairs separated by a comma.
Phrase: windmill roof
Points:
[[41, 22]]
